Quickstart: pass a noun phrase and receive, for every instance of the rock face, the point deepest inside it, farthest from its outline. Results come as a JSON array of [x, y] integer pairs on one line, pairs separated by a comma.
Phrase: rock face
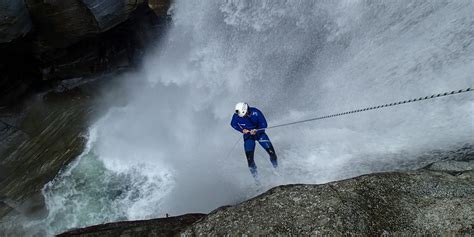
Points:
[[43, 42], [427, 201], [41, 137], [63, 22], [53, 40], [46, 136], [60, 23], [14, 20], [423, 202]]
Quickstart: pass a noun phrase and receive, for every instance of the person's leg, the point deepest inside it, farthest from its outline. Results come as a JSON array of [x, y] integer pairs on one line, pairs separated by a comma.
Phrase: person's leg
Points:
[[251, 163], [249, 146], [273, 156], [267, 145]]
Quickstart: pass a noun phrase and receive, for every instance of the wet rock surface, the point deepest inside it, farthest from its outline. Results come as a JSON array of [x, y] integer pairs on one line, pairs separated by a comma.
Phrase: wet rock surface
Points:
[[454, 167], [42, 135], [403, 161], [157, 227], [44, 138]]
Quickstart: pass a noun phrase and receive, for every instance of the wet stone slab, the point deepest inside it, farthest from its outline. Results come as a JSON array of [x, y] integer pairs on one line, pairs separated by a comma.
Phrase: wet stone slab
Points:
[[47, 134]]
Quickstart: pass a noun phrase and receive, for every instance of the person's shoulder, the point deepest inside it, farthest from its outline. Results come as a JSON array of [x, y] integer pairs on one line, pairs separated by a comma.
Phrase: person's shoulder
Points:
[[254, 111]]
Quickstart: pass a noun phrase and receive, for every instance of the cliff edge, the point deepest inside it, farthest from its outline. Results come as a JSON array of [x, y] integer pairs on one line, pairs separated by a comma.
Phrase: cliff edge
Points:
[[438, 199]]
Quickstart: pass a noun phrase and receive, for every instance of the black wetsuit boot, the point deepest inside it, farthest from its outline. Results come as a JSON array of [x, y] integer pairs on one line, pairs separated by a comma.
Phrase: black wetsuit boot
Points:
[[251, 163]]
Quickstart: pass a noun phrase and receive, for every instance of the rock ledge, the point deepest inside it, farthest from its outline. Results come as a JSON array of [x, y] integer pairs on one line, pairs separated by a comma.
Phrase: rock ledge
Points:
[[426, 201]]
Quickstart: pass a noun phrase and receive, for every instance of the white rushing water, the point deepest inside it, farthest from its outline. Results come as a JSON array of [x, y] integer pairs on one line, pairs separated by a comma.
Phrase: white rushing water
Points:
[[167, 150]]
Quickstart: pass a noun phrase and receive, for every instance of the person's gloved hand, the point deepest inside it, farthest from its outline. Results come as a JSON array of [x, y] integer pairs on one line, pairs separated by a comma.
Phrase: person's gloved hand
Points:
[[253, 131], [245, 131]]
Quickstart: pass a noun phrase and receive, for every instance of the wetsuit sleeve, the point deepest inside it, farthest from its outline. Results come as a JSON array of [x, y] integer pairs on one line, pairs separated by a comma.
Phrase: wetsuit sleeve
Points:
[[234, 124], [262, 122]]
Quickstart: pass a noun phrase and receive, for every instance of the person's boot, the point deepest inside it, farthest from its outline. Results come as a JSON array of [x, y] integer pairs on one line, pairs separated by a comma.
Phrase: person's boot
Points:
[[274, 163], [275, 170], [253, 171]]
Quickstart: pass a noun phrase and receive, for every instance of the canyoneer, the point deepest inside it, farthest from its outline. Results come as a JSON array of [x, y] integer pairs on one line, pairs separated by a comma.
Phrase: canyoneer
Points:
[[251, 123]]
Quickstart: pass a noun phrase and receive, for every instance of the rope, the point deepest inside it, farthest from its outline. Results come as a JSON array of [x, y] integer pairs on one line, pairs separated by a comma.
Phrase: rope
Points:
[[359, 111], [233, 148], [371, 108]]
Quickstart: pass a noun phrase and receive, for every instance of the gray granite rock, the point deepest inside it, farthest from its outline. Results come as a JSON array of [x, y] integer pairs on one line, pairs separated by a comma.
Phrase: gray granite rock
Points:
[[451, 166], [408, 203]]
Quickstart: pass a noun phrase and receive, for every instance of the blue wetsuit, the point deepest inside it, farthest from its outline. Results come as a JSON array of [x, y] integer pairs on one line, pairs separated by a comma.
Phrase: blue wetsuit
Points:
[[254, 119]]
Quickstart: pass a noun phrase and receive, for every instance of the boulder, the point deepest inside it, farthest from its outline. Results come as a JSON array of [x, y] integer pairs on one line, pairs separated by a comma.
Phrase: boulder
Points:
[[398, 203], [14, 20]]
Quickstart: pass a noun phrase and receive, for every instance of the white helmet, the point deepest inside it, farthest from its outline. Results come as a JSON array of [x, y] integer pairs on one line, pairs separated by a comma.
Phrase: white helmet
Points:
[[241, 109]]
